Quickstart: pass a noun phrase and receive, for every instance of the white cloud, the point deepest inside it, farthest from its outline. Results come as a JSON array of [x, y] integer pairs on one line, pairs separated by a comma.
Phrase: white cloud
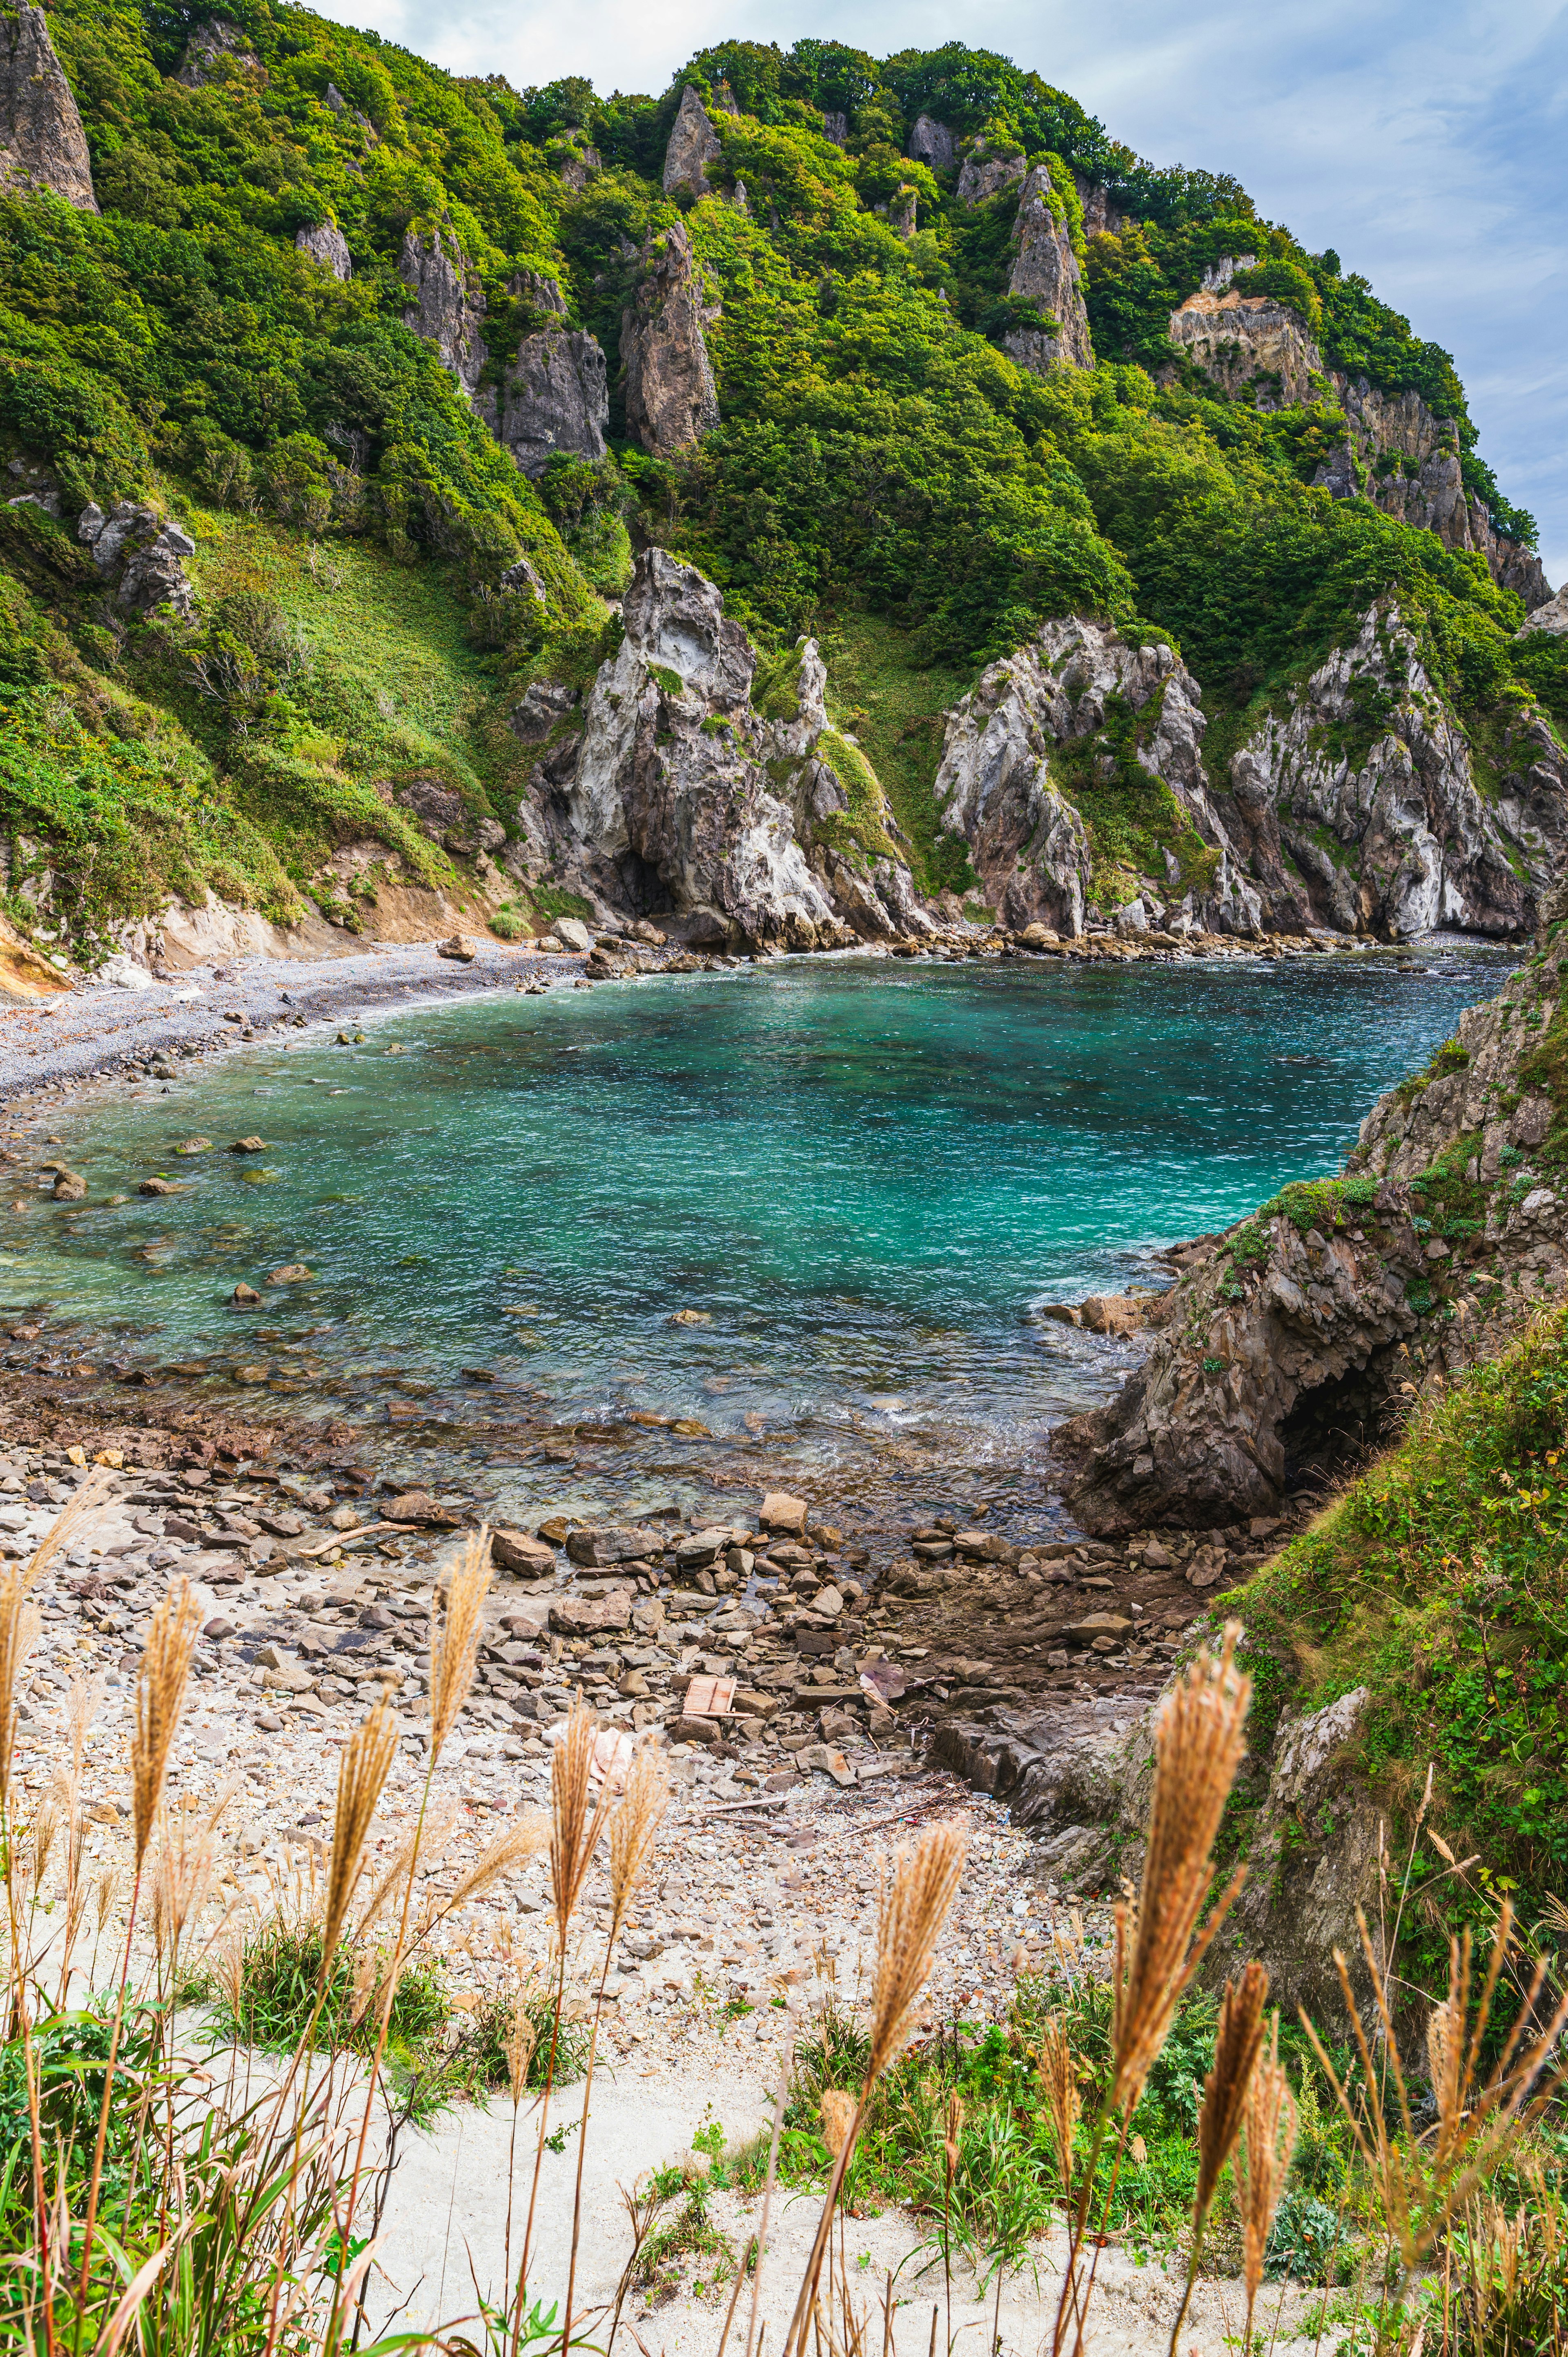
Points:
[[1423, 142]]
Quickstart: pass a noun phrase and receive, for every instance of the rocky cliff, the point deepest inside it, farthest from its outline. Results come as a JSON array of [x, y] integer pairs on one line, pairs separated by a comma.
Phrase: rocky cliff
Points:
[[693, 145], [670, 398], [670, 790], [42, 144], [448, 305], [1396, 451], [327, 244], [555, 390], [1357, 806], [1030, 744], [1046, 275], [1295, 1340], [1075, 773]]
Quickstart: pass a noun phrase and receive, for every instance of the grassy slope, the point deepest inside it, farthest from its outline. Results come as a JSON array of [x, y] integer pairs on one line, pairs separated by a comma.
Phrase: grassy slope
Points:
[[896, 709], [1440, 1580]]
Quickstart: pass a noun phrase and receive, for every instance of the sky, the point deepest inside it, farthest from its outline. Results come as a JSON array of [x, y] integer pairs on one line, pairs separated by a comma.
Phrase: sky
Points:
[[1424, 141]]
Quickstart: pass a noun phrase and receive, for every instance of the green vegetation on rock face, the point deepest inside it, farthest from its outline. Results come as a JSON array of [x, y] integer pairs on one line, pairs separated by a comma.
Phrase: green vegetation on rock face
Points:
[[1439, 1581], [883, 474]]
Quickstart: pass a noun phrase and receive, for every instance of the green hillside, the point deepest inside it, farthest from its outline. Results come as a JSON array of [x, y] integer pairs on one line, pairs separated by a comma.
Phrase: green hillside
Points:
[[883, 474]]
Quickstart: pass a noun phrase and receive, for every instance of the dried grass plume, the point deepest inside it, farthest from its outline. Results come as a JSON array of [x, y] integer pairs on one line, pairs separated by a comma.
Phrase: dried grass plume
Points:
[[160, 1695]]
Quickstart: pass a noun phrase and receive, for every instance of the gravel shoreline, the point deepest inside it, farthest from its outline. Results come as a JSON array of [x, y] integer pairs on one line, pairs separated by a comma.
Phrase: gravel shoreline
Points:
[[93, 1032]]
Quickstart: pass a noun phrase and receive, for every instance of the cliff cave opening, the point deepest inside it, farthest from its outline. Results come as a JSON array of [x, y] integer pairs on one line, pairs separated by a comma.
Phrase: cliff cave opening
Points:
[[1335, 1426]]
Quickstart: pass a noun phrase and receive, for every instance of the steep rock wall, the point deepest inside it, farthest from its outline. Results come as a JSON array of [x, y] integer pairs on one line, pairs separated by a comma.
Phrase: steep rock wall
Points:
[[42, 143], [1045, 274], [448, 303], [1359, 807], [668, 791], [671, 397], [1248, 343]]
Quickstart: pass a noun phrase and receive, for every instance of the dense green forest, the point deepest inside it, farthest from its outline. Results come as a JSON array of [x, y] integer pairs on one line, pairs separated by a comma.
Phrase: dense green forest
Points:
[[883, 474]]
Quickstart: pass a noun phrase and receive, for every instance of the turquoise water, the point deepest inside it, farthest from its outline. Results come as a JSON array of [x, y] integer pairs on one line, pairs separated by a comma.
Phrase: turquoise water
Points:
[[865, 1176]]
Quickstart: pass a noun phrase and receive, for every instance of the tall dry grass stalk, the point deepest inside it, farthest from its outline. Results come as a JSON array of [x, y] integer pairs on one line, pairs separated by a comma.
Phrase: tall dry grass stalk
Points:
[[838, 2108], [1198, 1740], [1226, 2090], [161, 1678], [1268, 2140], [455, 1639], [362, 1771], [1064, 2099], [19, 1625], [916, 1897], [1418, 2191]]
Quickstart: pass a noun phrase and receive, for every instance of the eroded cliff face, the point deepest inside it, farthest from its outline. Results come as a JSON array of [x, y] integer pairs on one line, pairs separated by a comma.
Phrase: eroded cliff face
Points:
[[668, 791], [693, 146], [671, 397], [1250, 343], [998, 785], [42, 144], [1358, 807], [1045, 274], [1294, 1341], [1396, 452], [327, 244], [448, 303]]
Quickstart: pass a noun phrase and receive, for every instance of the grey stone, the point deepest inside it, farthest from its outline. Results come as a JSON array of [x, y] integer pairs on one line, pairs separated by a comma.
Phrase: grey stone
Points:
[[327, 244], [694, 146], [931, 143], [448, 305], [555, 396], [671, 397], [1046, 272], [42, 144]]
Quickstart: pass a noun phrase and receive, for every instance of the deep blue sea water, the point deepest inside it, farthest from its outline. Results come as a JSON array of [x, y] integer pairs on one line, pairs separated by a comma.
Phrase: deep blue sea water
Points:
[[866, 1176]]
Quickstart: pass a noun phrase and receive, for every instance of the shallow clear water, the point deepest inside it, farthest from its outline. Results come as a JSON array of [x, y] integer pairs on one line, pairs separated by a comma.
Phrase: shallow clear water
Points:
[[866, 1176]]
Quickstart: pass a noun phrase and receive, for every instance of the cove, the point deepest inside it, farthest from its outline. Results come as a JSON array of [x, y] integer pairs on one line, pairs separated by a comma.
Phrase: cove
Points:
[[857, 1180]]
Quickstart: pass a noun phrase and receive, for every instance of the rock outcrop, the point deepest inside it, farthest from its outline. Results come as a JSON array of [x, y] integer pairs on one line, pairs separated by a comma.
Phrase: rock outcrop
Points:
[[42, 144], [1358, 807], [1401, 456], [1396, 452], [1553, 617], [694, 146], [1294, 1342], [931, 143], [448, 306], [1249, 344], [984, 176], [671, 397], [555, 396], [141, 556], [672, 794], [327, 244], [1046, 275], [213, 52], [1029, 844]]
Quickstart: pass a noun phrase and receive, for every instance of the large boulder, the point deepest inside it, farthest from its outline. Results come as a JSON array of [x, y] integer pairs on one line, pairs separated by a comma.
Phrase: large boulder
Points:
[[42, 144], [1045, 274], [694, 146], [327, 244], [141, 557], [671, 397], [214, 53], [448, 303]]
